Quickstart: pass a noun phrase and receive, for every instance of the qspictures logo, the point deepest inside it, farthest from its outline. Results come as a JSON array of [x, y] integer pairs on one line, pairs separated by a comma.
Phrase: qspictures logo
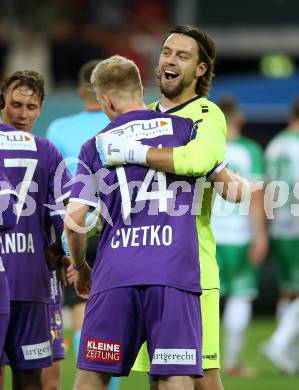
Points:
[[103, 351]]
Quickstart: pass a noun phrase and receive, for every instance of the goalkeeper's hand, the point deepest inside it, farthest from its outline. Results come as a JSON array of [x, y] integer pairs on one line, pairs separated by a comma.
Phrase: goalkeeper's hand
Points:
[[114, 150]]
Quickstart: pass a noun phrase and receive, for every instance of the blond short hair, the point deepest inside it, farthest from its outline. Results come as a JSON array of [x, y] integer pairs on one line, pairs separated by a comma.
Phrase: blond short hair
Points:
[[117, 76]]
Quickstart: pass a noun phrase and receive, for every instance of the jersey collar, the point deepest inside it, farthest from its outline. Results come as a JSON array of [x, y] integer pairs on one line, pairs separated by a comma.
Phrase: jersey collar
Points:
[[5, 127], [179, 107]]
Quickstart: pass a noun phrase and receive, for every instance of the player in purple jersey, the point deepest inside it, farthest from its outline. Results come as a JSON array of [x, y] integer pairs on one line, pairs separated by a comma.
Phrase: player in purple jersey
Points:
[[145, 281], [7, 221], [31, 165], [8, 196], [51, 376]]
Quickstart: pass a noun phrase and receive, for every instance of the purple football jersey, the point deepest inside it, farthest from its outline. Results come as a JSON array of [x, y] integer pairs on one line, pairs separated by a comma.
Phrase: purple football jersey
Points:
[[149, 235], [4, 290], [35, 169], [7, 200], [54, 228], [7, 221]]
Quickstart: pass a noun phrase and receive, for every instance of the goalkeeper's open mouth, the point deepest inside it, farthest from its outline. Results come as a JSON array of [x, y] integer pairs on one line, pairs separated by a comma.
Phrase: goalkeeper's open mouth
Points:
[[170, 74]]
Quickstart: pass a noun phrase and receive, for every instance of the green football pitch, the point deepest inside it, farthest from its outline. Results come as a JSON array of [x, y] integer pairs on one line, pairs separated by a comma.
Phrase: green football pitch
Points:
[[268, 377]]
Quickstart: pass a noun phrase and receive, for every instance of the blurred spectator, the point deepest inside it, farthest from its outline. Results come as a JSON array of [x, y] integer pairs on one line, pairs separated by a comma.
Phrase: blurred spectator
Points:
[[282, 158], [241, 240]]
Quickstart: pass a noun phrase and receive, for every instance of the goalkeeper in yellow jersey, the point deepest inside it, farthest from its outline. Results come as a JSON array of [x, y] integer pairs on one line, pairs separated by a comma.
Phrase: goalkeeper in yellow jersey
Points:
[[185, 73]]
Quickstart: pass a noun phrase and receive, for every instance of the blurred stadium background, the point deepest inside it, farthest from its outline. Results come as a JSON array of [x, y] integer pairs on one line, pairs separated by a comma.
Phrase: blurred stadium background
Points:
[[257, 62]]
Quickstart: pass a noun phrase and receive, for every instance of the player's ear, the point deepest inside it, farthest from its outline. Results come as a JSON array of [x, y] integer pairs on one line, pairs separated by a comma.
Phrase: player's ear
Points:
[[201, 69], [106, 101]]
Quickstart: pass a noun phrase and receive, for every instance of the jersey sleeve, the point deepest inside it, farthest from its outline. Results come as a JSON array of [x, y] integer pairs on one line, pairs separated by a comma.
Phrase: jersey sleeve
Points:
[[84, 189], [57, 214], [206, 150], [60, 179], [218, 168]]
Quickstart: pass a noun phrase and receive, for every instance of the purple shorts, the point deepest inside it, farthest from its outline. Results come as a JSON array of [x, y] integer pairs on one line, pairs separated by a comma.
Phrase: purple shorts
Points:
[[119, 320], [4, 320], [28, 345], [56, 326]]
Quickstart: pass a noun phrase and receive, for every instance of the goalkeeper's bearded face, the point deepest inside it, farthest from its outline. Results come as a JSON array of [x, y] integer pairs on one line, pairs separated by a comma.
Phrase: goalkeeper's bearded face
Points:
[[178, 65]]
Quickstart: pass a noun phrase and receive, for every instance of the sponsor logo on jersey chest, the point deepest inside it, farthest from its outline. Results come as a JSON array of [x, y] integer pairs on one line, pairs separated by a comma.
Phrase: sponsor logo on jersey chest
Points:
[[141, 129], [17, 140]]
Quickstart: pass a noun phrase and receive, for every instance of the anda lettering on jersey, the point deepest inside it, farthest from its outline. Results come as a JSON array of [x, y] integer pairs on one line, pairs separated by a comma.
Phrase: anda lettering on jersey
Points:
[[16, 243]]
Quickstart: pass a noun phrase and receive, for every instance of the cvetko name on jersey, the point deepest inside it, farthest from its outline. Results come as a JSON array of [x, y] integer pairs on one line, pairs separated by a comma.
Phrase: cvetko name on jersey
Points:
[[142, 236], [16, 243]]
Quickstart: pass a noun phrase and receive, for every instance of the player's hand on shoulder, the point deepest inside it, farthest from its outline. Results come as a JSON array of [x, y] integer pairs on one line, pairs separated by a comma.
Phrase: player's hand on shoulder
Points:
[[111, 149], [114, 150]]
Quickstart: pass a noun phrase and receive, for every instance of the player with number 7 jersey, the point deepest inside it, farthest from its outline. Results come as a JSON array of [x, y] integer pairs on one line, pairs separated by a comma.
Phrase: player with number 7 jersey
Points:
[[7, 221], [36, 172], [31, 164]]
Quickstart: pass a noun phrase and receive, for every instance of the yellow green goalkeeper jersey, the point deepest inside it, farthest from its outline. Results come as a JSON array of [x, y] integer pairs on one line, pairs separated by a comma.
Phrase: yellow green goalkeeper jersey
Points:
[[198, 158]]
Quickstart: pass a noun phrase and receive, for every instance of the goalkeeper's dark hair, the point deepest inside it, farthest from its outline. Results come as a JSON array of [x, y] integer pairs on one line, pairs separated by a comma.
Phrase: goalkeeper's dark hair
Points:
[[206, 53], [28, 78]]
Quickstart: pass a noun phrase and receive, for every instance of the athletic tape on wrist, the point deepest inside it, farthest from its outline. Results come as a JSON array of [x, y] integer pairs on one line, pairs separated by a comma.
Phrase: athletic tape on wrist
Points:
[[136, 153]]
